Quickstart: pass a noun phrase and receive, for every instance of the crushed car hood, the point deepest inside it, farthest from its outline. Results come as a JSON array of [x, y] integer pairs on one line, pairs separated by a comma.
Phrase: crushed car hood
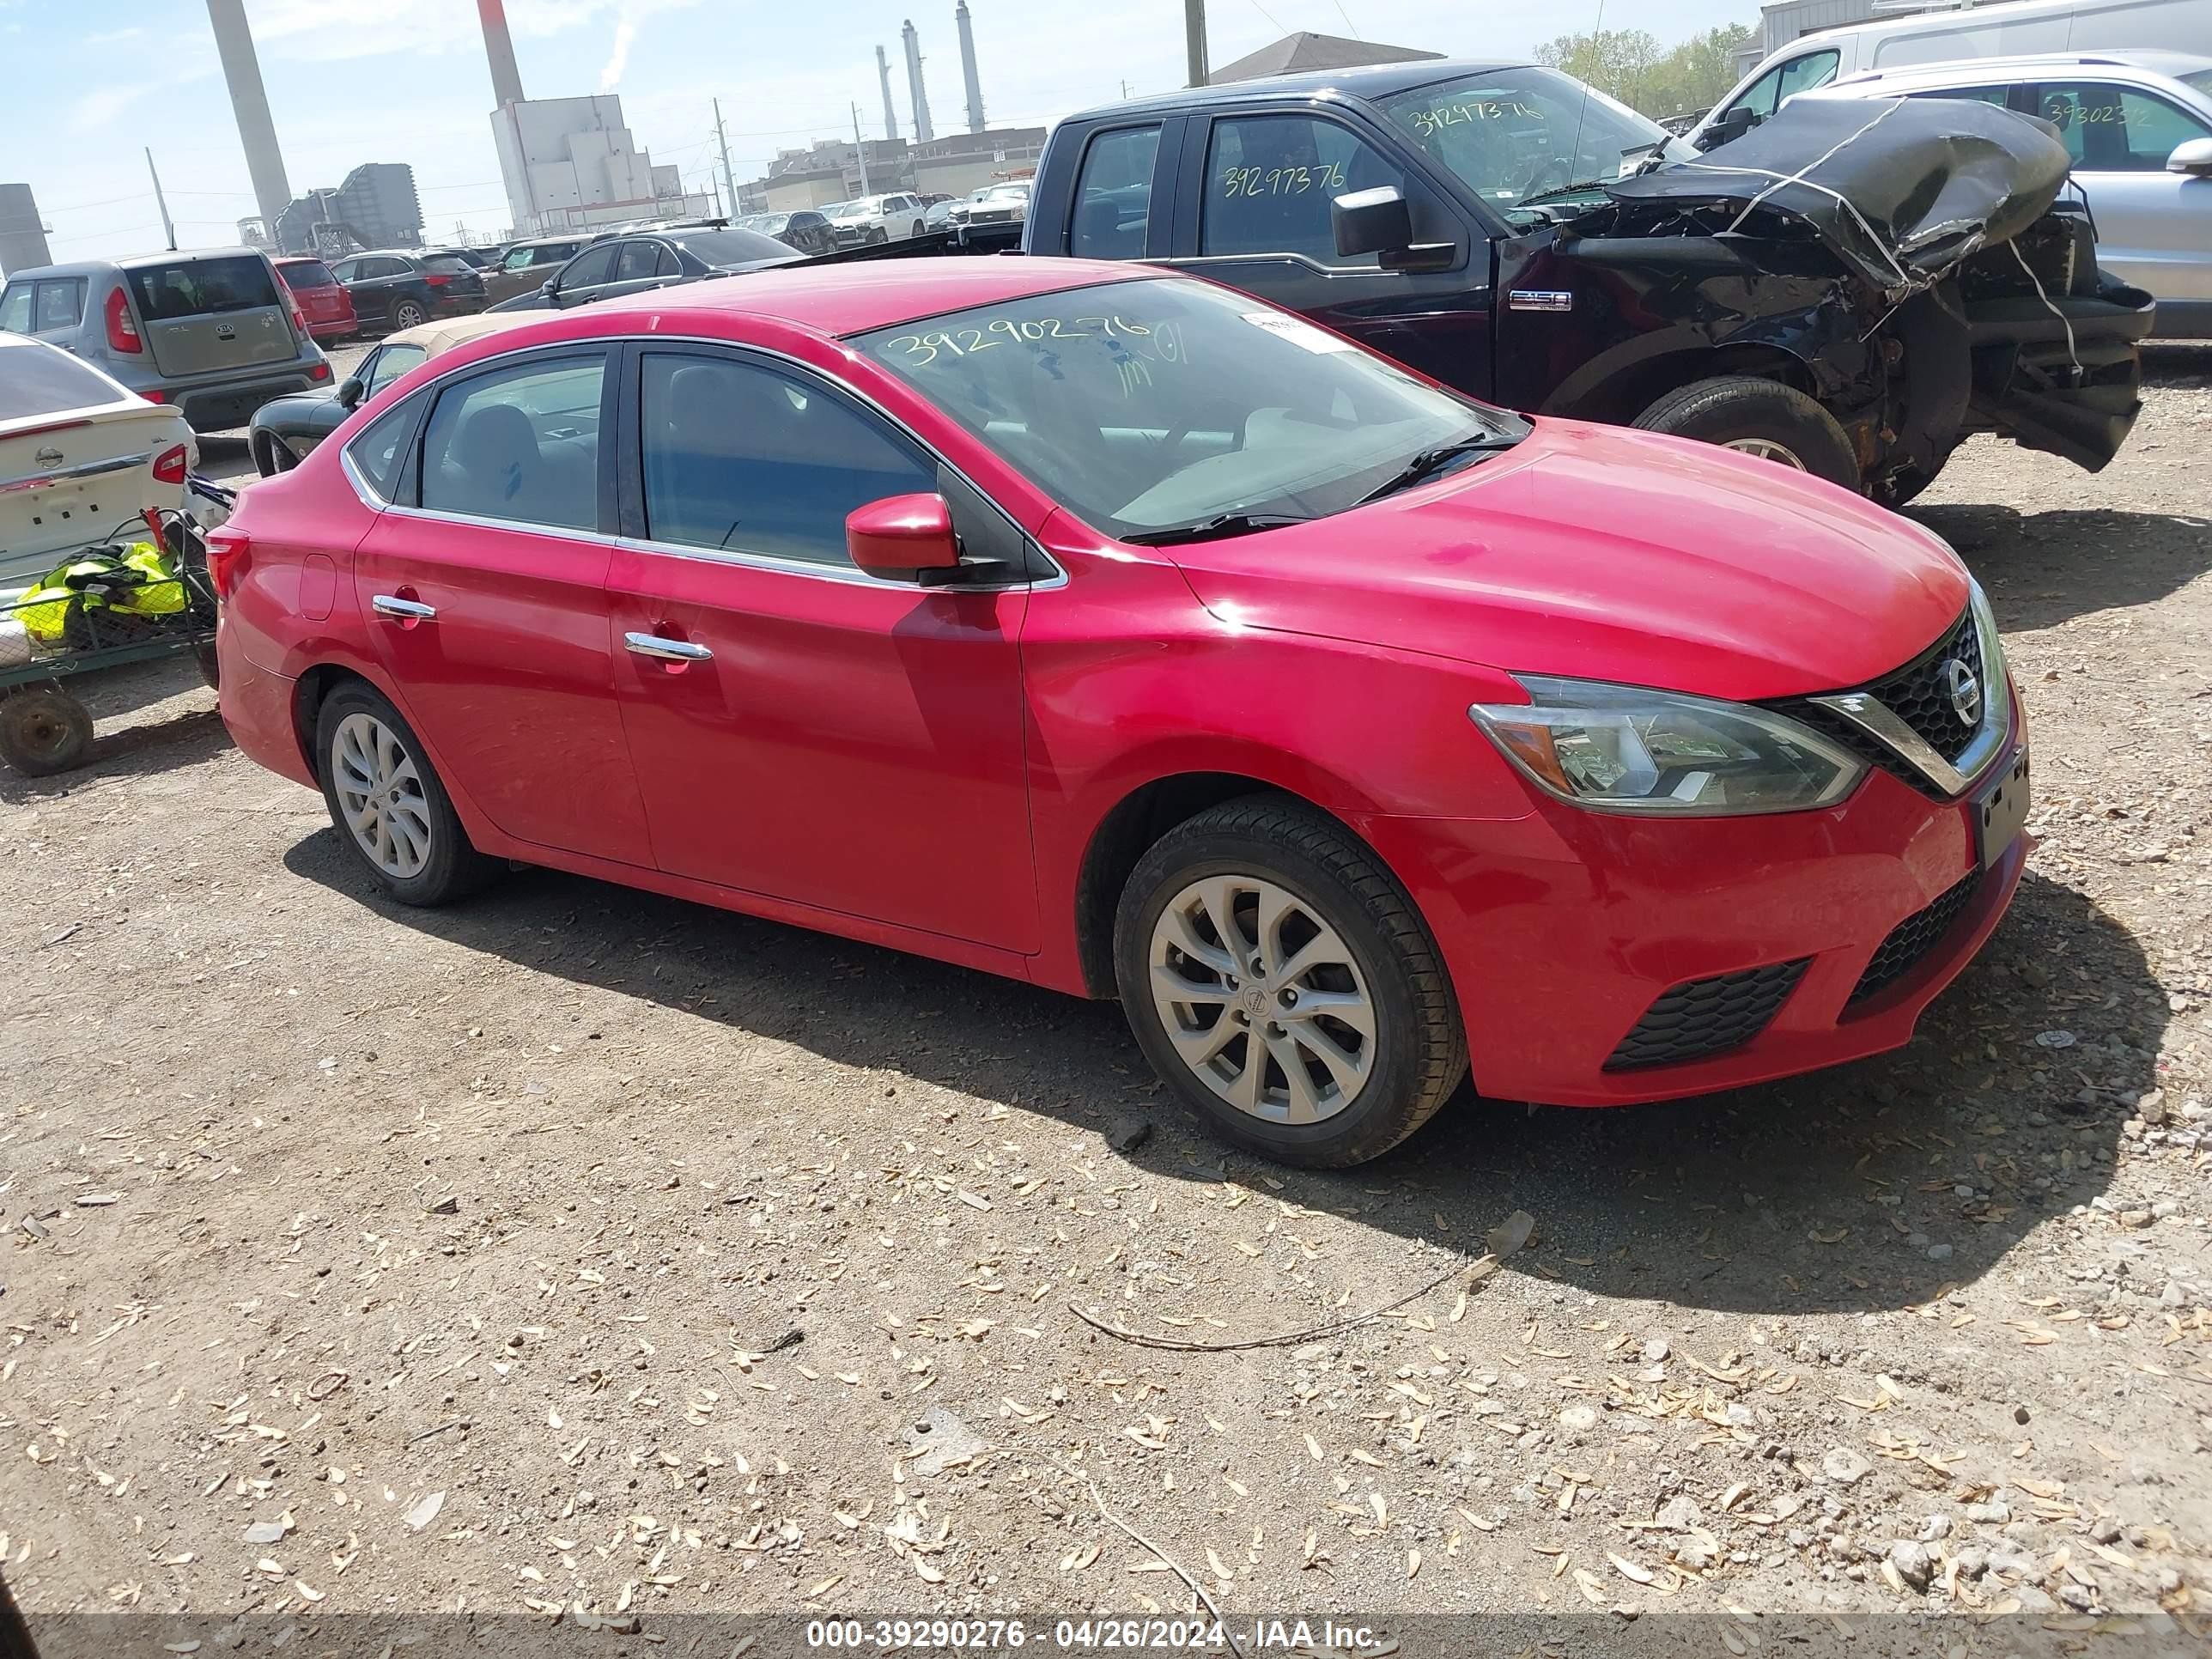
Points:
[[1600, 554], [1899, 189]]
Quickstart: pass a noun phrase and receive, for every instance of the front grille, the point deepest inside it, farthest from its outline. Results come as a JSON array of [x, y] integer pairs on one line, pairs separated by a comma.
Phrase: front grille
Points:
[[1916, 695], [1707, 1017], [1912, 939]]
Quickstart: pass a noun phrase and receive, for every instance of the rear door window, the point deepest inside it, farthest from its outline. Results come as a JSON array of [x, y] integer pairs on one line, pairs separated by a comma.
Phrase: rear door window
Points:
[[1113, 194], [1269, 181], [37, 379], [638, 262], [202, 288], [2109, 129], [379, 454], [520, 444]]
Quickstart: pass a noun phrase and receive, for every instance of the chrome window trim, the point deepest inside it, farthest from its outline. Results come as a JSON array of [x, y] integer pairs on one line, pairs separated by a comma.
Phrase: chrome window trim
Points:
[[436, 388]]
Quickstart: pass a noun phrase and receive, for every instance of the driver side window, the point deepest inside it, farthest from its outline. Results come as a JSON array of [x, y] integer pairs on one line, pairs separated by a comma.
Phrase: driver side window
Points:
[[1269, 181]]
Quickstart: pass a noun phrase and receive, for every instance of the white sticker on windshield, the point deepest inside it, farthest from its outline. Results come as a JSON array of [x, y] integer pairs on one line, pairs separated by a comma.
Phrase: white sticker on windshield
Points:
[[1298, 332]]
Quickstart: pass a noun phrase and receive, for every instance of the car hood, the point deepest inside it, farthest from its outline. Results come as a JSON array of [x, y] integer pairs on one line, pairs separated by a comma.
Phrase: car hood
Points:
[[1899, 189], [1600, 554]]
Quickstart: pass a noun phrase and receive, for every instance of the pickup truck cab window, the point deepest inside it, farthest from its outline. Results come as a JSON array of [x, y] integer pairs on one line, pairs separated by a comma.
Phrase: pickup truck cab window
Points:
[[1113, 194], [1269, 181]]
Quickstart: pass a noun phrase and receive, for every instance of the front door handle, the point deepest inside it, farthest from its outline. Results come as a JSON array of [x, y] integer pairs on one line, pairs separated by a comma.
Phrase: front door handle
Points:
[[391, 604], [652, 644]]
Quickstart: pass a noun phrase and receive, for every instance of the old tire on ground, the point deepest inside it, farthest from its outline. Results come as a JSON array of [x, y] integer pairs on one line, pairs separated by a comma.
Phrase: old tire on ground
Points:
[[1279, 980], [387, 803], [407, 313], [1766, 418], [43, 730]]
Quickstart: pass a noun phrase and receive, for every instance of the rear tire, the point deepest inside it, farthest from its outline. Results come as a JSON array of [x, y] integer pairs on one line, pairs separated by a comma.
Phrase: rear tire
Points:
[[43, 730], [1766, 418], [1369, 1022], [387, 803]]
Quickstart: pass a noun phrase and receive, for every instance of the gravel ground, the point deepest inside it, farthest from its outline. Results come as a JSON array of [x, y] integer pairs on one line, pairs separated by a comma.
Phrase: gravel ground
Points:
[[579, 1249]]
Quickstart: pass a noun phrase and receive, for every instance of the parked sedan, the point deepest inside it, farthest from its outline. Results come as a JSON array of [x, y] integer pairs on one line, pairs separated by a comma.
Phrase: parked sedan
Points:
[[632, 265], [2138, 127], [805, 229], [322, 298], [286, 429], [525, 267], [403, 287], [80, 455], [1109, 629]]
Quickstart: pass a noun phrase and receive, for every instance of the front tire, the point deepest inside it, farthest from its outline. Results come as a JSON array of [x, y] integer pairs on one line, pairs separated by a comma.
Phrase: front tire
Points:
[[407, 314], [1280, 981], [1765, 418], [388, 804]]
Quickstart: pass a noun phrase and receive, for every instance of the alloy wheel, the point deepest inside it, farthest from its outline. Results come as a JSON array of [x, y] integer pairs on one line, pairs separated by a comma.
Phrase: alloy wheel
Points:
[[1261, 1000], [1766, 450], [380, 794]]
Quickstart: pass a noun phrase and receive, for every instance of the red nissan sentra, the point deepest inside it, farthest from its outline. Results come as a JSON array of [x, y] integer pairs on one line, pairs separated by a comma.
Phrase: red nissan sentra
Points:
[[1112, 630]]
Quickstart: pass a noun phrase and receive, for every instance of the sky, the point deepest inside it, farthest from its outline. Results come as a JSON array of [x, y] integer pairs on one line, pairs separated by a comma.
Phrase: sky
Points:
[[87, 85]]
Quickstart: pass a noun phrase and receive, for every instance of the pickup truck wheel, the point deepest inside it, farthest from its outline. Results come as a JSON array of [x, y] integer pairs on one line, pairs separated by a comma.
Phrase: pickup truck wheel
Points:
[[1280, 981], [1766, 418]]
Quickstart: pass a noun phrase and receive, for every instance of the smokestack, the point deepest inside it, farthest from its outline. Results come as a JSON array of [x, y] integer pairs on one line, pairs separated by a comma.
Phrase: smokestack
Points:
[[890, 115], [242, 71], [499, 48], [918, 92], [22, 234], [967, 68]]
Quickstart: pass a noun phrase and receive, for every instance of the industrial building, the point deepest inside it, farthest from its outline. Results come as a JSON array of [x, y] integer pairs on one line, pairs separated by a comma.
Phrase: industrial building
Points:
[[570, 162]]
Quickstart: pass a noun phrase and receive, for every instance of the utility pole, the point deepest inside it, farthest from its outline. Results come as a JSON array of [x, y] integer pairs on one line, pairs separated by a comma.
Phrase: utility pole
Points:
[[860, 148], [729, 184], [1194, 33], [162, 202]]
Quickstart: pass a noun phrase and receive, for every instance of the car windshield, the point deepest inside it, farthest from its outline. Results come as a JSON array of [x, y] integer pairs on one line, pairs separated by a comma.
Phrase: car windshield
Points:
[[37, 379], [732, 246], [1160, 405], [1519, 132]]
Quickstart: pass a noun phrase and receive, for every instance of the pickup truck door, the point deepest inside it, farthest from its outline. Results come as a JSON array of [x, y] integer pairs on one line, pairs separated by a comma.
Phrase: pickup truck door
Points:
[[1252, 210]]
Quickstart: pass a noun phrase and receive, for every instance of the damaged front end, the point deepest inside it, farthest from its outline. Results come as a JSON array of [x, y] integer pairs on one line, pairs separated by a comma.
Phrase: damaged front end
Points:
[[1959, 294]]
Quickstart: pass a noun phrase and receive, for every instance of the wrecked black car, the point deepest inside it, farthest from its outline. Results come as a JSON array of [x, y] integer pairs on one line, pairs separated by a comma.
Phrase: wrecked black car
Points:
[[1851, 288]]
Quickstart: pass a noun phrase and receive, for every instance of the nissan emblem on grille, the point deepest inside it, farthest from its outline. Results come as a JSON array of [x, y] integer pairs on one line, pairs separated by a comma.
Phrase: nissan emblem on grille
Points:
[[1964, 690]]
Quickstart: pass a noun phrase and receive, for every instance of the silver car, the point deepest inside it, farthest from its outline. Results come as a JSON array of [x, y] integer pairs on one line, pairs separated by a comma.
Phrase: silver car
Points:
[[210, 333], [2139, 127]]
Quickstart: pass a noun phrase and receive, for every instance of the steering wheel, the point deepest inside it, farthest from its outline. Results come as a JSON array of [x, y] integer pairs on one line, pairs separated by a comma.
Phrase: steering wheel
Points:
[[1548, 174]]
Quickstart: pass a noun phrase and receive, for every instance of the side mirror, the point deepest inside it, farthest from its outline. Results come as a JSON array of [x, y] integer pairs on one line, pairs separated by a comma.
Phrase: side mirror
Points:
[[1729, 128], [350, 393], [902, 536], [1371, 222], [2194, 157]]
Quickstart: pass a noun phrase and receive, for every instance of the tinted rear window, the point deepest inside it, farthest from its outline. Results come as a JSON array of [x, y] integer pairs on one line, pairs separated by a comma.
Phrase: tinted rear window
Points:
[[452, 262], [307, 273], [732, 246], [200, 287], [37, 380]]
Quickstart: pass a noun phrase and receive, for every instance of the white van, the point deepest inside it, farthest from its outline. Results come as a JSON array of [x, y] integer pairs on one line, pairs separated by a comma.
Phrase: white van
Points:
[[2023, 27]]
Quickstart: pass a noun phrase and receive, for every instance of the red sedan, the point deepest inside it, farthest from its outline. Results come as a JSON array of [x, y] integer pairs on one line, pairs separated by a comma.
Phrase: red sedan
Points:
[[1114, 631]]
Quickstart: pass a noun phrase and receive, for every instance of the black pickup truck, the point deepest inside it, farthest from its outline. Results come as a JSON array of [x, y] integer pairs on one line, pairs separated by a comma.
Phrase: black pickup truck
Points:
[[1851, 289]]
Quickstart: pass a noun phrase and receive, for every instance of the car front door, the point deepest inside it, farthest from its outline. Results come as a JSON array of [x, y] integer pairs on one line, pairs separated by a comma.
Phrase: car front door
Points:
[[586, 277], [1255, 213], [485, 591], [801, 730], [639, 265], [2153, 227]]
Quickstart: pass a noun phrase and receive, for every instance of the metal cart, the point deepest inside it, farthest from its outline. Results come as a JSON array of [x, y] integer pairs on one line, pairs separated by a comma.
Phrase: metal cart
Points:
[[47, 642]]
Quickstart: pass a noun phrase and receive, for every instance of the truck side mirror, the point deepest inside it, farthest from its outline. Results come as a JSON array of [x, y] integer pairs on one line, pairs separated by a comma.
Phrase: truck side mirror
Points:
[[1371, 222], [2194, 157], [1729, 128]]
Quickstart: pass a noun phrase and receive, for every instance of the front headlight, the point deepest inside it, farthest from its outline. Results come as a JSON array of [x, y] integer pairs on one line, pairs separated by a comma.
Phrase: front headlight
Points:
[[1624, 748]]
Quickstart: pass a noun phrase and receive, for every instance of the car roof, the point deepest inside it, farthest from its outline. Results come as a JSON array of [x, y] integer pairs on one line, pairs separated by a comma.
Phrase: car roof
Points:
[[834, 300], [446, 332], [1368, 80], [2173, 65], [134, 262]]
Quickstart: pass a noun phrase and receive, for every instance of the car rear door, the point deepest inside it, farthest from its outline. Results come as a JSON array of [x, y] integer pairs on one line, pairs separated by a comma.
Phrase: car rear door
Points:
[[371, 283], [1253, 211], [200, 313], [802, 730], [2154, 228], [485, 591]]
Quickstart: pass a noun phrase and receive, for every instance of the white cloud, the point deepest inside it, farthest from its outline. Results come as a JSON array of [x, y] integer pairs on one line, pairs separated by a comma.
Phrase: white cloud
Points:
[[610, 75], [96, 108]]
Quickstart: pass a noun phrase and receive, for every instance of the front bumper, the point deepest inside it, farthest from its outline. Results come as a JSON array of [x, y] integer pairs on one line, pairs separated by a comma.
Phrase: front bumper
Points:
[[1563, 929]]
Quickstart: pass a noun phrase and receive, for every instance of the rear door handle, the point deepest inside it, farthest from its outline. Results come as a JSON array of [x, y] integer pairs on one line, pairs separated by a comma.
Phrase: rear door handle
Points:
[[652, 644], [390, 605]]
